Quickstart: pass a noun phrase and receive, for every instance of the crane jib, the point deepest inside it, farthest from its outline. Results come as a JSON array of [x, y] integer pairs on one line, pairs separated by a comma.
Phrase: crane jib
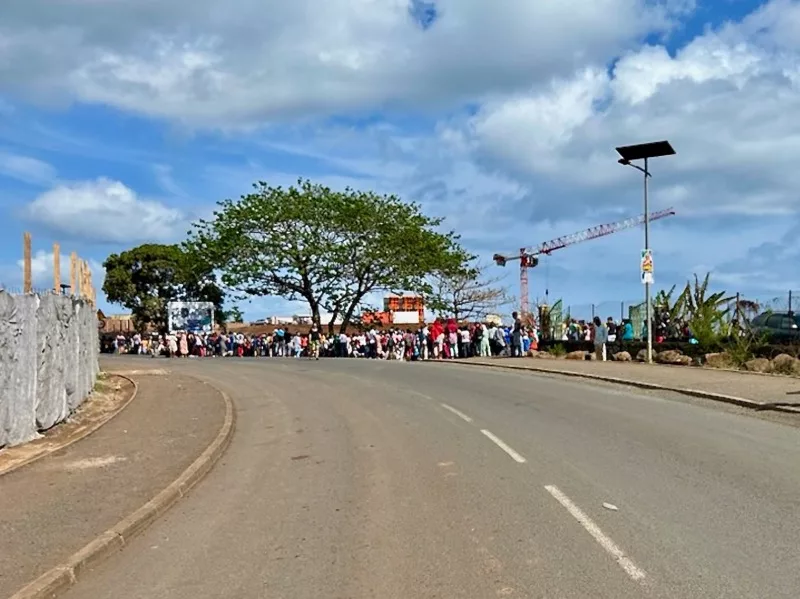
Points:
[[528, 256]]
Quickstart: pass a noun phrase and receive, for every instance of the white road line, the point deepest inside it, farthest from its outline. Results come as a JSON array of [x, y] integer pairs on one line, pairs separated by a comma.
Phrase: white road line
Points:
[[605, 542], [502, 445], [458, 413]]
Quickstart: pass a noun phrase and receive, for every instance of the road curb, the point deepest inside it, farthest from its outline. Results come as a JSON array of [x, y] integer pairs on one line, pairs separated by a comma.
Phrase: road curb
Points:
[[83, 435], [61, 577], [729, 399]]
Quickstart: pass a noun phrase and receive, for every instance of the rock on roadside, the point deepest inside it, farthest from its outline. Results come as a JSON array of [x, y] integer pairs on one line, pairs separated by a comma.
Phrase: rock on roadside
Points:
[[786, 364], [758, 365], [672, 356], [575, 355], [719, 360], [622, 356]]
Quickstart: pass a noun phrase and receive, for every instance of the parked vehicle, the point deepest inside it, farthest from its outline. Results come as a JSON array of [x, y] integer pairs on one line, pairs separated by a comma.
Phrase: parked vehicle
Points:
[[778, 327]]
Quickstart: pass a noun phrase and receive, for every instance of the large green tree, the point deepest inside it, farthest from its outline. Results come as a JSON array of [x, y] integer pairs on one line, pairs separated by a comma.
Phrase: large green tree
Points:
[[146, 278], [329, 248]]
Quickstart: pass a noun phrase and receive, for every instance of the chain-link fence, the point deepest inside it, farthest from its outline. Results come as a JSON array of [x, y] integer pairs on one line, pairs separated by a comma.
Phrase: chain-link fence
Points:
[[743, 308], [34, 290], [617, 310], [738, 307]]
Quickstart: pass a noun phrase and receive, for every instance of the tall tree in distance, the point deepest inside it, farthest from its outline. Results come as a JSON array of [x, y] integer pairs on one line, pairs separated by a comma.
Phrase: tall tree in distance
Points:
[[467, 293], [233, 315], [329, 248], [146, 278]]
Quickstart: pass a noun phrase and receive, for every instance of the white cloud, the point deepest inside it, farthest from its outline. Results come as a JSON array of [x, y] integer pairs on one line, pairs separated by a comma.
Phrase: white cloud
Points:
[[726, 101], [106, 211], [533, 159], [43, 267], [26, 169], [165, 179], [205, 63]]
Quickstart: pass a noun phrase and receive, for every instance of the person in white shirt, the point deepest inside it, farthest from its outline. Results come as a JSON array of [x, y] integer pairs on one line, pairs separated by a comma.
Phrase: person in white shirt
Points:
[[465, 352], [423, 349], [485, 349], [600, 339]]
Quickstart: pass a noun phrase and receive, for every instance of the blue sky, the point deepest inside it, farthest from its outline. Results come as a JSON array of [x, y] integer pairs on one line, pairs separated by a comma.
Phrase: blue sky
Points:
[[502, 117]]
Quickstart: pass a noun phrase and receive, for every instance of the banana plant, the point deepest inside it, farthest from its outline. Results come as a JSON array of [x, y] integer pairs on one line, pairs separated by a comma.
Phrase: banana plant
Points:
[[707, 314], [674, 309]]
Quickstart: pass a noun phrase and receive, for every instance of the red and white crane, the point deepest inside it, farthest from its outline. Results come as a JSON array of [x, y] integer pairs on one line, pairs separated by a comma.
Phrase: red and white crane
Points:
[[528, 256]]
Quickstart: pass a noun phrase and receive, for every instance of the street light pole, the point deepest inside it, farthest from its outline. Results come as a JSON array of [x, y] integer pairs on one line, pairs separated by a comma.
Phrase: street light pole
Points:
[[648, 307], [627, 155]]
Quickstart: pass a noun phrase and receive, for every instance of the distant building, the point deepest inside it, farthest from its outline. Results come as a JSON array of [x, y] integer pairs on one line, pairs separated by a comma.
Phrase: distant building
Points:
[[279, 320], [304, 319], [115, 323], [401, 305]]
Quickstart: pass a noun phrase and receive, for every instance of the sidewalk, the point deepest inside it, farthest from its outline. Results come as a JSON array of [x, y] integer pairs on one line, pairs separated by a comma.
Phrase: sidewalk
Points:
[[55, 506], [762, 389]]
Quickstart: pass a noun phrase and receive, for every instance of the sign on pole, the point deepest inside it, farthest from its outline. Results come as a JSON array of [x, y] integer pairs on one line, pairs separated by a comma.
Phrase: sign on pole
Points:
[[647, 267]]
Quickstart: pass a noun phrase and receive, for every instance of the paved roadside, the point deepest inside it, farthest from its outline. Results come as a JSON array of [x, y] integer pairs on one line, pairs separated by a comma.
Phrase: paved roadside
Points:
[[394, 480], [758, 388], [53, 507]]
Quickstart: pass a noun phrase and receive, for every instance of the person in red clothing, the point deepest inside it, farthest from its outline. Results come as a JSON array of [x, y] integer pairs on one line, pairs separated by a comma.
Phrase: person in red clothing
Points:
[[437, 337], [451, 334]]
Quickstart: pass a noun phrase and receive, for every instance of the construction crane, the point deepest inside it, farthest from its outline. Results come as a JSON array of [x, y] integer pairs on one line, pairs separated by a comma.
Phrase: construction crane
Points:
[[529, 256]]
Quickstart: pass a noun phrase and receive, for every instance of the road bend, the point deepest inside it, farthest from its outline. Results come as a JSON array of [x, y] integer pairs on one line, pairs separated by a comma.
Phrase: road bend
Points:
[[361, 479]]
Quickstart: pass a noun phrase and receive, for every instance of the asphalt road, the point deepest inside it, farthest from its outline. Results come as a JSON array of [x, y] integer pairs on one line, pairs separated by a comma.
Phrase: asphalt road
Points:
[[359, 479]]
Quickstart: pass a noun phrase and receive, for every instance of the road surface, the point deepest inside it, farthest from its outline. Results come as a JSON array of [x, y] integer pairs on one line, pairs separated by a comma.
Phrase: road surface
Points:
[[360, 479]]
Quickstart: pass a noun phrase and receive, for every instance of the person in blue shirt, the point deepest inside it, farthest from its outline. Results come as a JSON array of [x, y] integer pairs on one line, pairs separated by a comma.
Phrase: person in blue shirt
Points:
[[627, 331]]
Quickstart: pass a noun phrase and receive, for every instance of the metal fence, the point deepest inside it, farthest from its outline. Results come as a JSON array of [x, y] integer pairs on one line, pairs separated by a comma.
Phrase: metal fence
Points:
[[618, 310], [34, 290], [748, 306], [739, 306]]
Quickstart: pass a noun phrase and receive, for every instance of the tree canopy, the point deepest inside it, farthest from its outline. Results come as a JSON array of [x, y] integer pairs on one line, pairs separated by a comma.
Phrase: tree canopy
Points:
[[146, 278], [233, 315], [329, 248], [466, 293]]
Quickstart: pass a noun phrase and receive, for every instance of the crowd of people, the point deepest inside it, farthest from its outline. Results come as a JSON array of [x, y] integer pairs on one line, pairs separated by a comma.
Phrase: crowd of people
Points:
[[443, 339], [664, 329]]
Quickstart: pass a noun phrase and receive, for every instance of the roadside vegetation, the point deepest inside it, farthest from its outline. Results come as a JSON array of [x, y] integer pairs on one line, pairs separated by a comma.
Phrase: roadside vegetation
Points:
[[715, 331]]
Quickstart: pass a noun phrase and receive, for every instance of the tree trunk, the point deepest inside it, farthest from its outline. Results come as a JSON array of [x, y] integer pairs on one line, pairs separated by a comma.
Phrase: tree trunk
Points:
[[332, 322], [347, 316], [312, 303]]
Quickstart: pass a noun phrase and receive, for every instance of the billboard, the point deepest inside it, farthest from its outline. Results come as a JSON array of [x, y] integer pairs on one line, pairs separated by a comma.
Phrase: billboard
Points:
[[405, 317], [190, 316]]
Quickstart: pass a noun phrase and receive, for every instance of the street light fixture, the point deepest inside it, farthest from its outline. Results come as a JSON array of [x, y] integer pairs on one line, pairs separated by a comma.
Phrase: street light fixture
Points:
[[644, 152]]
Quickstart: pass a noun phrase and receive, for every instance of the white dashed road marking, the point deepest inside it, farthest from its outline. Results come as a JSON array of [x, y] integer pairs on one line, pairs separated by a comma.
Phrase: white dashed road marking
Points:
[[631, 569], [502, 445], [458, 413]]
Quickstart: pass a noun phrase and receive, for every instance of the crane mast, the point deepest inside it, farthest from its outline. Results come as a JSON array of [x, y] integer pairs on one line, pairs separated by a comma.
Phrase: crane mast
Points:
[[528, 256]]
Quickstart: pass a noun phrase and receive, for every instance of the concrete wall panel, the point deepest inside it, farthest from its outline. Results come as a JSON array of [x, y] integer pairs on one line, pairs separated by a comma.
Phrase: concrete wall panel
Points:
[[49, 351]]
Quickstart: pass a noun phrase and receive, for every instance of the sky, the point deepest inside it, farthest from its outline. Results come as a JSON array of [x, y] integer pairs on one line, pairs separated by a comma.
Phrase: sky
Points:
[[122, 121]]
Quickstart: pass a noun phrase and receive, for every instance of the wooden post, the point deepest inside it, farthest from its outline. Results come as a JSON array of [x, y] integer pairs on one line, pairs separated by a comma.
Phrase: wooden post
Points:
[[91, 284], [87, 288], [27, 283], [81, 280], [56, 269], [85, 269], [73, 273]]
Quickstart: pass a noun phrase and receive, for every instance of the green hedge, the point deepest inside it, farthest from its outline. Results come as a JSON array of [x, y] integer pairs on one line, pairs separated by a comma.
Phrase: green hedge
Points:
[[688, 349]]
